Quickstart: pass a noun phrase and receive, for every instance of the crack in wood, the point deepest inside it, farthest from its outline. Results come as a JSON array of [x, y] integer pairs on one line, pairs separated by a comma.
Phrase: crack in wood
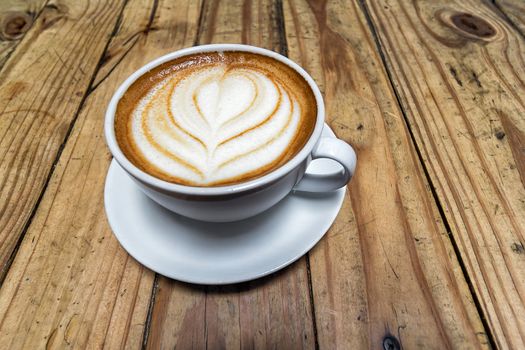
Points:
[[423, 165], [5, 268], [147, 325]]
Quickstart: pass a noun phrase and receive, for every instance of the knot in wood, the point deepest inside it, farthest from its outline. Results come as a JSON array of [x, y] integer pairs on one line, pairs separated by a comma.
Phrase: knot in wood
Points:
[[15, 24], [473, 25], [391, 343]]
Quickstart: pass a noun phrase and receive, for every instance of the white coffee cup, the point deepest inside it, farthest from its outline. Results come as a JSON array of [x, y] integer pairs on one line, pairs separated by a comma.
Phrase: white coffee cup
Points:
[[246, 199]]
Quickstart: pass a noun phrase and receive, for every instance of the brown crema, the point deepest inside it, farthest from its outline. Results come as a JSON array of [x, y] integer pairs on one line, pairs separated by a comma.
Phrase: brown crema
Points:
[[292, 85]]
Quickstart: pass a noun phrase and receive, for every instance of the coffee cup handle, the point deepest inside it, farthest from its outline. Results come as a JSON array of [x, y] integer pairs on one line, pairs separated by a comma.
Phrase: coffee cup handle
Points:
[[341, 152]]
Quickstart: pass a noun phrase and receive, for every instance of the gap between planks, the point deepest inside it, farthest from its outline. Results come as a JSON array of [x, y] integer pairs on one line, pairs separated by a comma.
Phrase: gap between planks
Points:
[[147, 326], [7, 266], [283, 48], [311, 295], [435, 197]]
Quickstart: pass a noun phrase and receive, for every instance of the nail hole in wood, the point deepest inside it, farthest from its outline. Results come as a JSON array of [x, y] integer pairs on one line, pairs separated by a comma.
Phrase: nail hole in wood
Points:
[[391, 343], [518, 248], [500, 135]]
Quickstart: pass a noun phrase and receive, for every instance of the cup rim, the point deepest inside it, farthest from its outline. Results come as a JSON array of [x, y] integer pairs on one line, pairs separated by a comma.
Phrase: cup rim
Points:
[[146, 178]]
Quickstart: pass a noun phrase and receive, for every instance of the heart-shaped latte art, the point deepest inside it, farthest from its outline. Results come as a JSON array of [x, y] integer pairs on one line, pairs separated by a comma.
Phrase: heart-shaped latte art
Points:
[[215, 124]]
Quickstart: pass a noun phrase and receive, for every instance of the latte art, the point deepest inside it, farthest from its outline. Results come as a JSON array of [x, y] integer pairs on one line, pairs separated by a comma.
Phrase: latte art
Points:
[[217, 121]]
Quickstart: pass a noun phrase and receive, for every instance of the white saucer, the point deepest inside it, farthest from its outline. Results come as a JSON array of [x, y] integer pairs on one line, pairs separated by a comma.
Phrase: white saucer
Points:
[[218, 253]]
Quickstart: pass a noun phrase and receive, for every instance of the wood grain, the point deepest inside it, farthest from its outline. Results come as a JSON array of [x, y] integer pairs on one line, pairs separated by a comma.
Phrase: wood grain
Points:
[[71, 284], [41, 87], [16, 18], [274, 312], [458, 69], [386, 275], [515, 11], [269, 313]]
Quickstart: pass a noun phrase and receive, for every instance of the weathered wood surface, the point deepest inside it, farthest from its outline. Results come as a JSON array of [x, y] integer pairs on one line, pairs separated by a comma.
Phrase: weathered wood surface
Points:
[[71, 284], [42, 85], [16, 17], [514, 10], [387, 266], [458, 68], [388, 270]]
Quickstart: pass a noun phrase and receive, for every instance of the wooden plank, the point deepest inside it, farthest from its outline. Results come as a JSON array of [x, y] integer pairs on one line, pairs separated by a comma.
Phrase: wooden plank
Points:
[[41, 87], [386, 274], [515, 11], [274, 312], [71, 284], [458, 68], [16, 18]]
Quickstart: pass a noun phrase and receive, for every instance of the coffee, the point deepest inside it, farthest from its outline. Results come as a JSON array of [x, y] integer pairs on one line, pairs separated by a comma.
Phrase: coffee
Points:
[[215, 118]]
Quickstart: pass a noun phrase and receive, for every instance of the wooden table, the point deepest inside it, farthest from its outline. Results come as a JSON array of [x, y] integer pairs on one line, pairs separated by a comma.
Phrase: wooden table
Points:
[[427, 251]]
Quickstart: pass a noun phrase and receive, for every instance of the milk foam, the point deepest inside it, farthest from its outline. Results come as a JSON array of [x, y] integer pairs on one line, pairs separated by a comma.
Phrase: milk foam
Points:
[[215, 123]]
